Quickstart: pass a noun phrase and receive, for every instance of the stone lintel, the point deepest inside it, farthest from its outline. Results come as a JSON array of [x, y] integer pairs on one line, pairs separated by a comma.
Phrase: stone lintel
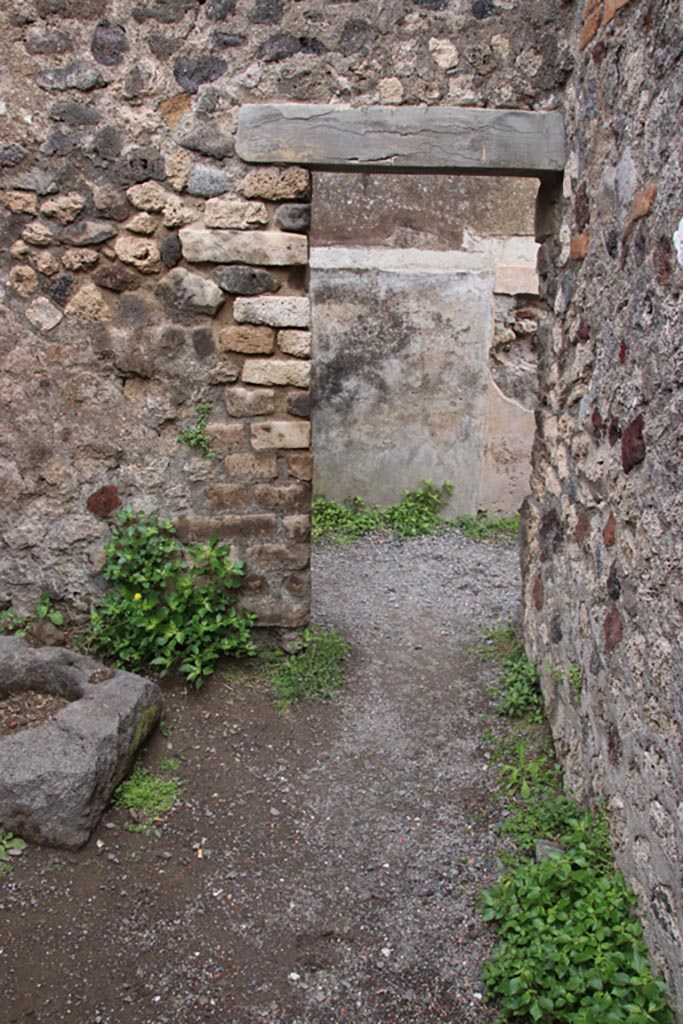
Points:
[[427, 139]]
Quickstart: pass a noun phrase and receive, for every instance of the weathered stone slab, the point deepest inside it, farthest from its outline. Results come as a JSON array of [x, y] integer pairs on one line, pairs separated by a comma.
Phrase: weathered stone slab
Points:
[[56, 779], [290, 311], [277, 372], [281, 434], [413, 138], [257, 248]]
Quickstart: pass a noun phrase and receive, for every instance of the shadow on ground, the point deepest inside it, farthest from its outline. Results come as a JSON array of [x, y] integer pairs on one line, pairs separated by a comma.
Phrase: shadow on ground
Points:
[[323, 866]]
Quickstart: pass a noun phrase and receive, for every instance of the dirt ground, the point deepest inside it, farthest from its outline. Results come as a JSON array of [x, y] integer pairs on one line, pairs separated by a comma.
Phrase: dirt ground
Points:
[[322, 866]]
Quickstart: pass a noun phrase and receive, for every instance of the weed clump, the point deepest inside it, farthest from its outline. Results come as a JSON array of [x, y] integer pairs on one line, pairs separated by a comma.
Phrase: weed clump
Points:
[[148, 796], [518, 692], [571, 949], [10, 846], [315, 671], [171, 606], [418, 514]]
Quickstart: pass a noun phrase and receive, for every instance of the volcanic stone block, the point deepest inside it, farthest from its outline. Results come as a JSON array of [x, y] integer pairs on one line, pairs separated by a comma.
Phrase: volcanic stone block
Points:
[[57, 779], [189, 292], [440, 138]]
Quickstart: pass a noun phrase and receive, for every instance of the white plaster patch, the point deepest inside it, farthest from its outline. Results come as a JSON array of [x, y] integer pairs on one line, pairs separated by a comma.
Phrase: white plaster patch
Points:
[[678, 242]]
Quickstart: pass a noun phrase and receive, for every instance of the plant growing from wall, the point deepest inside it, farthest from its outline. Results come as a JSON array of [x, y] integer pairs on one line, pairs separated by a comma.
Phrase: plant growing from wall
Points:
[[13, 623], [171, 606], [196, 436]]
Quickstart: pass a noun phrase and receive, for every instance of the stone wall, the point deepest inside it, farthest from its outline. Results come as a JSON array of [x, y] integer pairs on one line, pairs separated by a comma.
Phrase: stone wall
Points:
[[603, 569], [147, 270], [420, 370]]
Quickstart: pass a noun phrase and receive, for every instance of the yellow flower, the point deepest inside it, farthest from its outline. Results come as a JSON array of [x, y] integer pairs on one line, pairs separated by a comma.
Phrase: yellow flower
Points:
[[137, 597]]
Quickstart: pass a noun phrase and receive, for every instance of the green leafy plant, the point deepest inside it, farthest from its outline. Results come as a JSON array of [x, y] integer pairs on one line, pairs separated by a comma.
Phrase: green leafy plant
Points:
[[149, 796], [484, 526], [171, 606], [47, 610], [571, 950], [197, 437], [12, 622], [525, 772], [576, 681], [518, 692], [417, 514], [10, 846], [315, 671]]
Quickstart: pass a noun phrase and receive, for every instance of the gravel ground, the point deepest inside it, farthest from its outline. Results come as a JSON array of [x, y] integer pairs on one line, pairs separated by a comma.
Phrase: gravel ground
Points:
[[322, 866]]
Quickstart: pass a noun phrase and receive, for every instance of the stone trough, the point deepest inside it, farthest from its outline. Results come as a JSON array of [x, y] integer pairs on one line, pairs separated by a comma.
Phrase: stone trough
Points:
[[57, 778]]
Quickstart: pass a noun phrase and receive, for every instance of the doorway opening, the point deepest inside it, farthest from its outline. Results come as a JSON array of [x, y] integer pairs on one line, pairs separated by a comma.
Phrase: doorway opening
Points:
[[425, 315]]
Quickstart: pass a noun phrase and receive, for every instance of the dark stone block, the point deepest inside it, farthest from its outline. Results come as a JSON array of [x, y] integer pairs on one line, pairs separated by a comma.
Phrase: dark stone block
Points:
[[62, 288], [161, 46], [207, 139], [74, 113], [432, 5], [219, 10], [266, 12], [107, 143], [227, 40], [115, 278], [613, 584], [191, 72], [299, 404], [136, 83], [556, 630], [241, 280], [59, 143], [171, 251], [203, 342], [12, 154], [49, 41], [108, 43], [278, 48], [167, 12], [357, 35], [294, 217], [633, 444], [140, 164], [483, 9]]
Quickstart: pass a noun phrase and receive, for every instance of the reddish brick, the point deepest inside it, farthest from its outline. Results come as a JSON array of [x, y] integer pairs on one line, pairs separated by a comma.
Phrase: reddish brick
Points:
[[300, 466], [609, 531], [241, 401], [278, 556], [245, 527], [582, 528], [297, 528], [613, 628], [633, 444], [283, 497], [244, 338], [578, 249], [227, 437], [611, 8], [642, 202], [104, 502], [537, 592], [234, 497], [590, 27], [248, 466]]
